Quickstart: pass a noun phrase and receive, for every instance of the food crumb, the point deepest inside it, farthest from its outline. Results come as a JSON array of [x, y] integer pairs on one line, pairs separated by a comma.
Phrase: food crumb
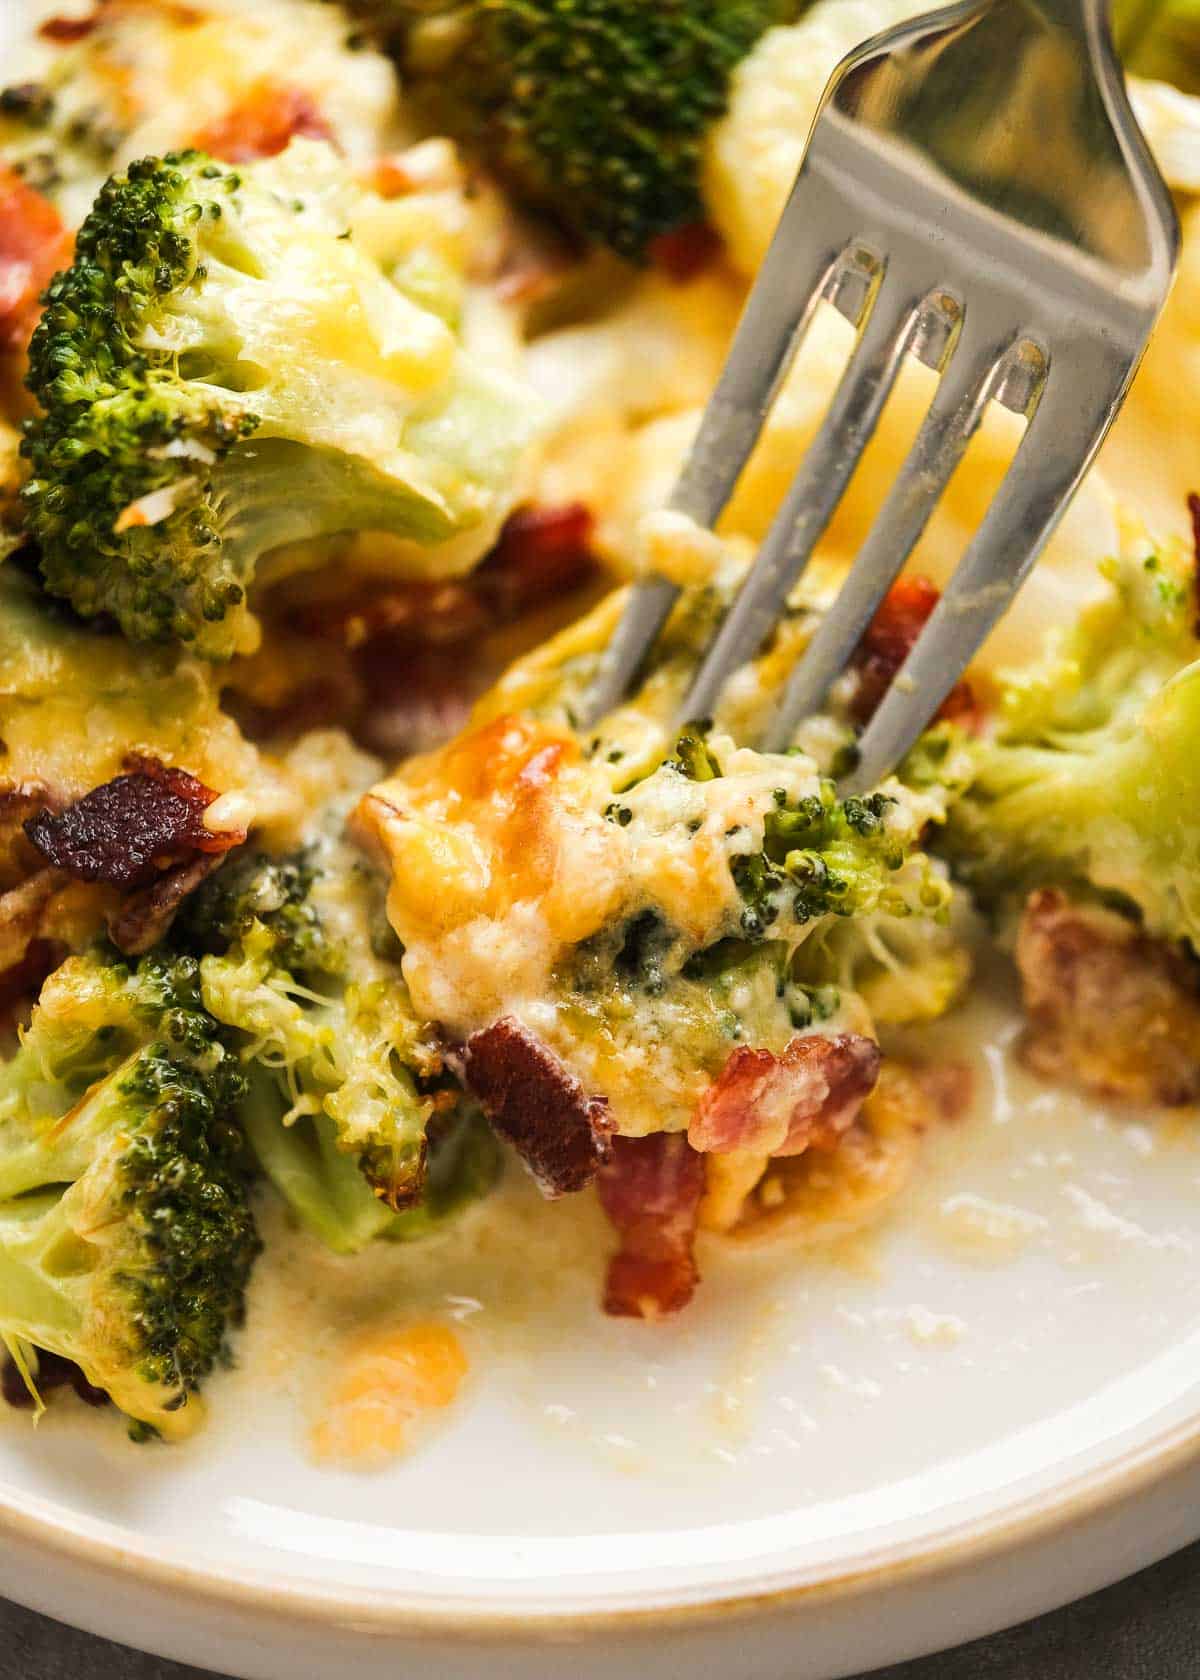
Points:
[[980, 1229], [926, 1327]]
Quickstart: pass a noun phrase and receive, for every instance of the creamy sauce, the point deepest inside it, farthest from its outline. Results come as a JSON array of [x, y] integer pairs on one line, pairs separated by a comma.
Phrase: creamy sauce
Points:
[[1036, 1177]]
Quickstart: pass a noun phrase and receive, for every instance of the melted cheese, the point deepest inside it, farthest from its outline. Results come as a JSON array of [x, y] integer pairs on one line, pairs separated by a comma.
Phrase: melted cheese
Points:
[[389, 1384]]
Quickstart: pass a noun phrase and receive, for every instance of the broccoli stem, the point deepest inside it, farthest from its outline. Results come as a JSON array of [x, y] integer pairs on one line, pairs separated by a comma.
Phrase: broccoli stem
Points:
[[322, 1184]]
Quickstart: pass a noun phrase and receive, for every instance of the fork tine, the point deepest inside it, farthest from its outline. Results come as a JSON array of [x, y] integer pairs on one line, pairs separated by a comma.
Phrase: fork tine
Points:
[[975, 372], [1065, 433], [816, 490], [794, 275], [645, 612]]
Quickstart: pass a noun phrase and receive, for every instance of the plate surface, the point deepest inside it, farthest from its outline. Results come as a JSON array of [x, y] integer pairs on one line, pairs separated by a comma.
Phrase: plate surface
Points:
[[987, 1405]]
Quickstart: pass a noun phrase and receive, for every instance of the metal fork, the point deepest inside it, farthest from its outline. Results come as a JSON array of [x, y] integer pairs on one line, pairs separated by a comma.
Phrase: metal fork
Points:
[[976, 193]]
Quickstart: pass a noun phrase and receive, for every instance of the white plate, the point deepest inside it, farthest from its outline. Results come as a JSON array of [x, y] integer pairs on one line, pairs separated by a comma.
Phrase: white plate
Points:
[[827, 1463], [987, 1407]]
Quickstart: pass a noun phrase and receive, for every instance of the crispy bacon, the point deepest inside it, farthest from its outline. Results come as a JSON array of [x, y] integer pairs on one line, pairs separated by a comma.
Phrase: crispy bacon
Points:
[[686, 252], [146, 914], [540, 553], [53, 1371], [886, 644], [785, 1104], [538, 1106], [416, 702], [131, 829], [404, 643], [262, 123], [1109, 1009], [24, 978], [651, 1189], [34, 244]]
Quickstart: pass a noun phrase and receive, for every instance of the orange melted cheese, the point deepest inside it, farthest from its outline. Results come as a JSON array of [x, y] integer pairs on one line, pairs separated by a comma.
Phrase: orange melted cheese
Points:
[[389, 1384], [502, 856]]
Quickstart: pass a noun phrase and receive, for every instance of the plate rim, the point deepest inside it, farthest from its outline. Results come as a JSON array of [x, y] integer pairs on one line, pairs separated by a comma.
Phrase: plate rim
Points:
[[1037, 1516]]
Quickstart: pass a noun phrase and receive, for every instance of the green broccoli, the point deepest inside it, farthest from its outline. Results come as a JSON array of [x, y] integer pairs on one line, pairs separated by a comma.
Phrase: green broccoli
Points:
[[594, 110], [327, 1022], [126, 1236], [1091, 775], [225, 368], [817, 886], [324, 1186], [1160, 39], [824, 856]]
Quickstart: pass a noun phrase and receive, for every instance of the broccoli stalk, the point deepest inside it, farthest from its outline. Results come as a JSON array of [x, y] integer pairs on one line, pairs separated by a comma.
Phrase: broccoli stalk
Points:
[[1092, 774], [223, 370], [126, 1236], [324, 1185], [594, 110]]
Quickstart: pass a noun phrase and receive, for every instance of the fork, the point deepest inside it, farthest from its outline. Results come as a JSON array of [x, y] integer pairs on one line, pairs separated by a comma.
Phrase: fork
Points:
[[976, 194]]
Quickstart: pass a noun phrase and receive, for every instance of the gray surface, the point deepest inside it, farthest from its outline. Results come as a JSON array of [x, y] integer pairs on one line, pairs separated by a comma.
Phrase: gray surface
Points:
[[1146, 1629]]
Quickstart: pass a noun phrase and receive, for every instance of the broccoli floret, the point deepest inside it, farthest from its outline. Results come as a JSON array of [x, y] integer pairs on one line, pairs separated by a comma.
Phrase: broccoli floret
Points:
[[224, 369], [324, 1187], [126, 1236], [326, 1018], [817, 888], [595, 110], [822, 856], [1091, 776]]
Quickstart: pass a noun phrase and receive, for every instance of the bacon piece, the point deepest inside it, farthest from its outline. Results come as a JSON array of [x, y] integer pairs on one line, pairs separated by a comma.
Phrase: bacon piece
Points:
[[53, 1371], [262, 123], [540, 553], [146, 915], [131, 829], [1109, 1008], [34, 244], [24, 978], [406, 641], [785, 1104], [651, 1188], [417, 703], [538, 1106], [887, 643], [686, 252]]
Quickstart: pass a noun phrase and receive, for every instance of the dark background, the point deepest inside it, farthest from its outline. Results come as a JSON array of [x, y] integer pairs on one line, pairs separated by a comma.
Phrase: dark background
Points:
[[1148, 1628]]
